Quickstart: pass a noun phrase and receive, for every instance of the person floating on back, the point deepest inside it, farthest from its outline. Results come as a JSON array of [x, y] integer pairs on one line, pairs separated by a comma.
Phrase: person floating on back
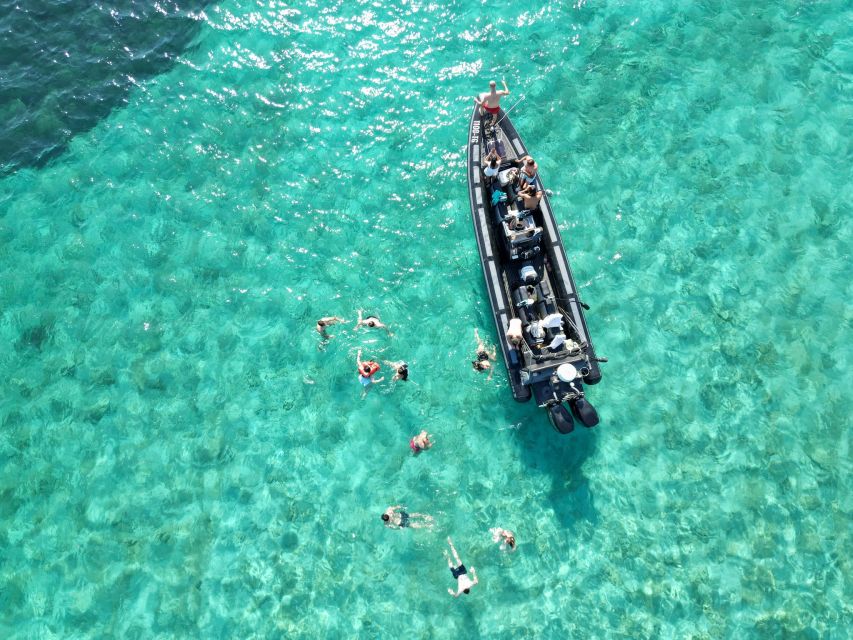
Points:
[[370, 321], [395, 518], [459, 572], [491, 102]]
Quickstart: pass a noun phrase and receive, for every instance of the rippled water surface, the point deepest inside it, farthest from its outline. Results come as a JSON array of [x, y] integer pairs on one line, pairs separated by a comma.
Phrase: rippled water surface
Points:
[[182, 456]]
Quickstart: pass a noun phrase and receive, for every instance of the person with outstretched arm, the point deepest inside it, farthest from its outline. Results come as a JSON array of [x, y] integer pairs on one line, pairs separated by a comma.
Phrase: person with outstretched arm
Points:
[[459, 572]]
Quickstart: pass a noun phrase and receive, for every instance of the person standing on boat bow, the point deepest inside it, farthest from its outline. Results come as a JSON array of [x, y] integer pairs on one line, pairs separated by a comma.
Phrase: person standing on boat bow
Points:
[[491, 102]]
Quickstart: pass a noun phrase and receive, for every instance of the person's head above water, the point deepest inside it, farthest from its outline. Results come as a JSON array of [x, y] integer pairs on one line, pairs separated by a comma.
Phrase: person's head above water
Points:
[[386, 517], [492, 84]]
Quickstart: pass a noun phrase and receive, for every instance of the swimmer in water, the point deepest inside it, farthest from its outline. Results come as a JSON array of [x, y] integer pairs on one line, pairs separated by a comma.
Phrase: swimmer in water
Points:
[[460, 573], [328, 321], [505, 537], [370, 321], [484, 355], [420, 442], [366, 370], [395, 518], [401, 370]]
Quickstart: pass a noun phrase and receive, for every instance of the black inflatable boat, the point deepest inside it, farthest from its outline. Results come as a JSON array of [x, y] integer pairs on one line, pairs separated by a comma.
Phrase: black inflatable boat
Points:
[[539, 317]]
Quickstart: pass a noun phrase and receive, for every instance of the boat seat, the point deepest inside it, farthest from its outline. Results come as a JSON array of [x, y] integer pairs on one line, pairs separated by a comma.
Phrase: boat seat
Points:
[[500, 211], [531, 236], [519, 300], [545, 295]]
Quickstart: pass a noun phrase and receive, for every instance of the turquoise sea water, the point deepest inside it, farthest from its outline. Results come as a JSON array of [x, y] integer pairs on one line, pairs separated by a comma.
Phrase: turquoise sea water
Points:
[[182, 457]]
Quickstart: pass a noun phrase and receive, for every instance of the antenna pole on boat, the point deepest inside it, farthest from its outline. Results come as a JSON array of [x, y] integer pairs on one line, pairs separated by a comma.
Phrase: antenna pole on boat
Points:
[[510, 109]]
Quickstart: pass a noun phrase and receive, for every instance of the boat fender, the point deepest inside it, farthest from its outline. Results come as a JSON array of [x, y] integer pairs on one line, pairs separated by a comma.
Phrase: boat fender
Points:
[[368, 368], [584, 412]]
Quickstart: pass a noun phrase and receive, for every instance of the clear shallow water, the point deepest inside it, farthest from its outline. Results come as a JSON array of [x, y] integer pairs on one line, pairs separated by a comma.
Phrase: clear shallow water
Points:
[[180, 458]]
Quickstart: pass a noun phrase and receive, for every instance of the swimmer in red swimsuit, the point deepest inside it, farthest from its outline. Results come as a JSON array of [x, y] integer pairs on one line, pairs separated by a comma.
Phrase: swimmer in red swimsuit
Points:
[[490, 102], [420, 442]]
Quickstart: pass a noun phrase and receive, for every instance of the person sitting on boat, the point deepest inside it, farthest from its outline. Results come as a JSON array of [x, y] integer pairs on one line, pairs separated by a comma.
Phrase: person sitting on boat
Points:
[[370, 321], [491, 102], [484, 355], [530, 195], [513, 333], [529, 171], [492, 165]]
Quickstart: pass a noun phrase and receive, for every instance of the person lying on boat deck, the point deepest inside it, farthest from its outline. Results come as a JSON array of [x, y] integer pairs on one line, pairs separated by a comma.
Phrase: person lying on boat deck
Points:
[[496, 144], [459, 572], [529, 171], [491, 102], [327, 321], [370, 321], [420, 442], [484, 354], [530, 196], [366, 370], [401, 370], [513, 333], [395, 518]]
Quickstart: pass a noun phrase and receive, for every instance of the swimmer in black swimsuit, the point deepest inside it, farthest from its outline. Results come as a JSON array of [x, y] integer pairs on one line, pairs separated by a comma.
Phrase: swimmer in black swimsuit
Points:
[[459, 573], [395, 518], [372, 322], [484, 355]]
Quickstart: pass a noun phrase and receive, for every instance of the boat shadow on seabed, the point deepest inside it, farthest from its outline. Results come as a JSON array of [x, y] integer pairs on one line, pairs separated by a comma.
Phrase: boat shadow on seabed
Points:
[[562, 460]]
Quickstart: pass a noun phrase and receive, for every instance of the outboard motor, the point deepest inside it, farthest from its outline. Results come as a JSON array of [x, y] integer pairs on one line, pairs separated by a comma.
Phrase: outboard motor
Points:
[[560, 418], [584, 412]]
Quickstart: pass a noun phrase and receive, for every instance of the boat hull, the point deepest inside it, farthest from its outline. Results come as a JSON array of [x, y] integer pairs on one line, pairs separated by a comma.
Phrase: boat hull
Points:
[[532, 370]]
